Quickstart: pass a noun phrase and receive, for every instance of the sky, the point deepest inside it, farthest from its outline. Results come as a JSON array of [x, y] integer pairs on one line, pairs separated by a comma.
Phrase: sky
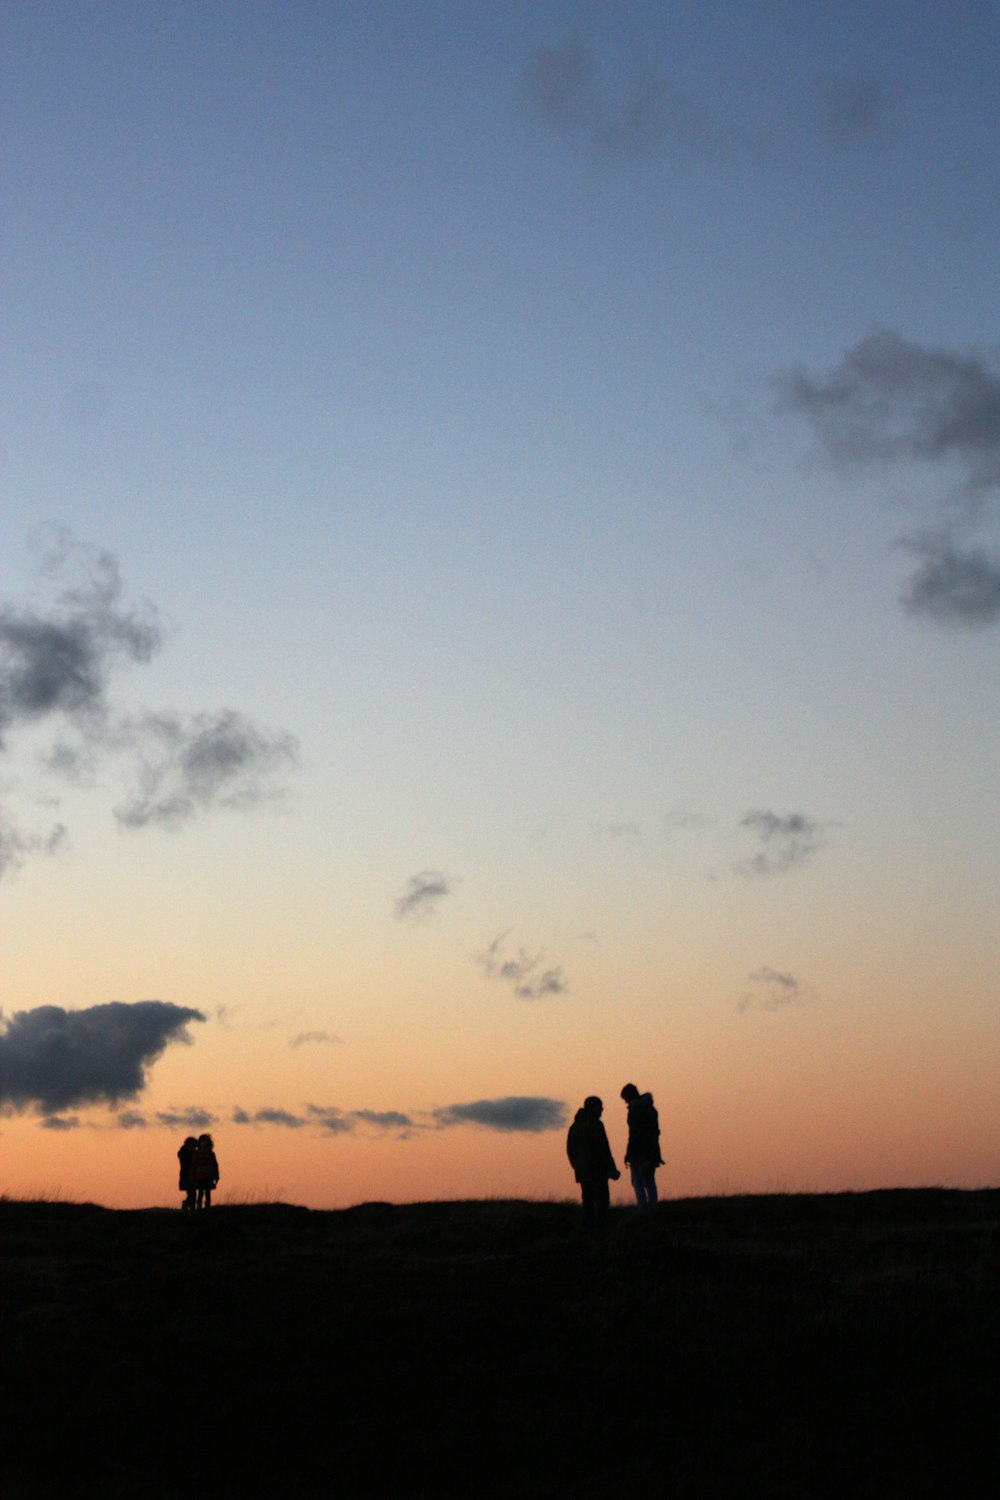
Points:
[[500, 594]]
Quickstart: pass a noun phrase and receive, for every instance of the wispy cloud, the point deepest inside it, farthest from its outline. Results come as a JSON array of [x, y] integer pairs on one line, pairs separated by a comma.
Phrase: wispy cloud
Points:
[[55, 1059], [320, 1038], [188, 763], [527, 973], [421, 895], [894, 405], [60, 1122], [852, 112], [514, 1113], [771, 990], [783, 842], [647, 114], [16, 843]]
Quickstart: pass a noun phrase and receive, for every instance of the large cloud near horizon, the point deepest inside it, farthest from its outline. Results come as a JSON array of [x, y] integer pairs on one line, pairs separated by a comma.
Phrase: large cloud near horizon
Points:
[[894, 406], [55, 1059]]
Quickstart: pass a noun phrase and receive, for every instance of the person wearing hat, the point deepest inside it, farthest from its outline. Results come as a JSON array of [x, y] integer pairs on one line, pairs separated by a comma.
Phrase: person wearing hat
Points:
[[590, 1157]]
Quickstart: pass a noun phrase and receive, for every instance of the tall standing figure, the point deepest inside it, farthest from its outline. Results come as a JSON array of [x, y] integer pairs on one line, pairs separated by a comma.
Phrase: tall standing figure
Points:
[[590, 1157], [204, 1171], [185, 1156], [642, 1155]]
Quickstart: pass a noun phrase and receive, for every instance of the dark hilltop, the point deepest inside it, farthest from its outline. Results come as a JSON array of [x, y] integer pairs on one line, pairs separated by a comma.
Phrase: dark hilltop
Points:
[[799, 1346]]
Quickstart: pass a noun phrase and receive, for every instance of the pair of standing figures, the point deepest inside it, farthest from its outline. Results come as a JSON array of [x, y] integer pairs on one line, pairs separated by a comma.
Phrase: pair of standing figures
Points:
[[593, 1164], [199, 1171]]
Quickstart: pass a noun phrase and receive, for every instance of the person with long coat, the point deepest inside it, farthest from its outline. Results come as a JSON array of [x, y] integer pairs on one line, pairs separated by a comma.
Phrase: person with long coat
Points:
[[592, 1162]]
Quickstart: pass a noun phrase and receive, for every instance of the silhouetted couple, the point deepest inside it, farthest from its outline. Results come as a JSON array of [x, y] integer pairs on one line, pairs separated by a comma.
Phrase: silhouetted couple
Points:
[[199, 1172], [593, 1164]]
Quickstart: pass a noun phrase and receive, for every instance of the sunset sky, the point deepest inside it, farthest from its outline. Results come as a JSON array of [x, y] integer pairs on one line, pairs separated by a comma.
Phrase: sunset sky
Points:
[[500, 593]]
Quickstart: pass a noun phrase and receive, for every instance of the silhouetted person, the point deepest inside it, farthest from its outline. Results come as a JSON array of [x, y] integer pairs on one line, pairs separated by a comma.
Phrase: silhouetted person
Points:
[[590, 1157], [204, 1171], [642, 1155], [184, 1156]]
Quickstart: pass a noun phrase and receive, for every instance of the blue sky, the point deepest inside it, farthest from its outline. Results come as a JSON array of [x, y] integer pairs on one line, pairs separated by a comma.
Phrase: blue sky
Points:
[[565, 440]]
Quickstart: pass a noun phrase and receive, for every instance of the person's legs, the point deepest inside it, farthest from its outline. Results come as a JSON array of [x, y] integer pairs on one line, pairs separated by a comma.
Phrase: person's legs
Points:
[[639, 1185], [652, 1197]]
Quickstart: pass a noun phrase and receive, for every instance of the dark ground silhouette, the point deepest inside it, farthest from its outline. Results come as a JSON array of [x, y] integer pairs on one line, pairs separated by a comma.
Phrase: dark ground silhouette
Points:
[[784, 1346]]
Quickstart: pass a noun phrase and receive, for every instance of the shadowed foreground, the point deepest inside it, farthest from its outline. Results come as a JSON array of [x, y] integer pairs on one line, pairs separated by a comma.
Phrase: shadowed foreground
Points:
[[842, 1345]]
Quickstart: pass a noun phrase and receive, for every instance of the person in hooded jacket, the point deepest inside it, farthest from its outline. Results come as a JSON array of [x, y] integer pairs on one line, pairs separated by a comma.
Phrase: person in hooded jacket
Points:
[[204, 1171], [642, 1155], [590, 1157], [184, 1156]]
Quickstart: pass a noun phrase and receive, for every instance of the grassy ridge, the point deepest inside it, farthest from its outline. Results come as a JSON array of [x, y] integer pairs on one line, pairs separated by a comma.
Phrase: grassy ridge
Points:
[[843, 1345]]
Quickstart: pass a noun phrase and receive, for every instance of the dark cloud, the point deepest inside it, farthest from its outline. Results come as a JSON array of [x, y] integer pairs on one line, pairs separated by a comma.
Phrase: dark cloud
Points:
[[526, 974], [891, 401], [772, 990], [953, 585], [305, 1038], [514, 1113], [321, 1117], [54, 1058], [131, 1119], [893, 405], [189, 763], [59, 662], [784, 842], [60, 1122], [421, 894], [852, 111], [649, 114]]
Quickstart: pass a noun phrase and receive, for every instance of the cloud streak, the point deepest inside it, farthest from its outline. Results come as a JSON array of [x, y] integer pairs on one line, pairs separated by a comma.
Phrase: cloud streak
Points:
[[515, 1113], [55, 1059]]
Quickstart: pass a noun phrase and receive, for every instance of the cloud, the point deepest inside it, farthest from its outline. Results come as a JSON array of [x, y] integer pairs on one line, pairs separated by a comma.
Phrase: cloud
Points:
[[852, 111], [526, 973], [649, 115], [16, 844], [60, 663], [192, 1118], [784, 842], [893, 406], [331, 1121], [384, 1119], [190, 763], [515, 1113], [305, 1038], [54, 1058], [421, 894], [953, 586], [890, 400], [61, 1122], [132, 1119], [772, 991]]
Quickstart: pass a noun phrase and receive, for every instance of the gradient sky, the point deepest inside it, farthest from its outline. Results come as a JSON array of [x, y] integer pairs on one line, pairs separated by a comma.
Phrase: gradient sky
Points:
[[500, 594]]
